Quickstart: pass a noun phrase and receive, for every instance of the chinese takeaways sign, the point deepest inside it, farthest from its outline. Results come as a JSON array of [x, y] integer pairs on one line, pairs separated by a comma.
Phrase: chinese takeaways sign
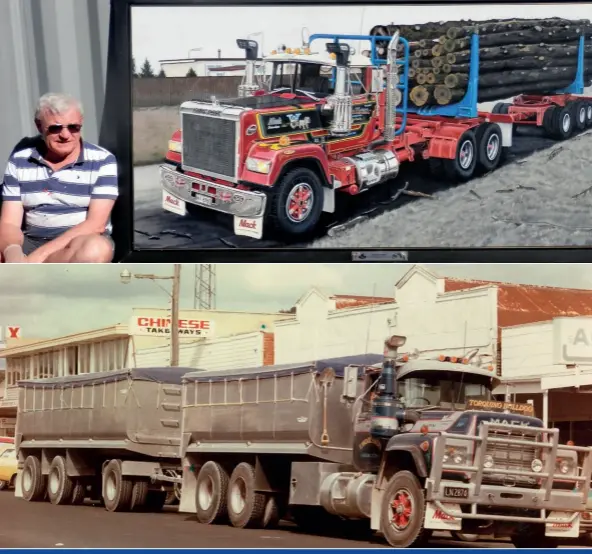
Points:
[[147, 325]]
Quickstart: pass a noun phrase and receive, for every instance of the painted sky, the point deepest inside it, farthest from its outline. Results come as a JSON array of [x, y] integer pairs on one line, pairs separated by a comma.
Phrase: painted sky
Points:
[[52, 300], [171, 32]]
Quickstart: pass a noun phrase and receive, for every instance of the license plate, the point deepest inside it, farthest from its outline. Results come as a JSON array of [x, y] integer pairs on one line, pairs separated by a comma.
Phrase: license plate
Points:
[[203, 200], [456, 492]]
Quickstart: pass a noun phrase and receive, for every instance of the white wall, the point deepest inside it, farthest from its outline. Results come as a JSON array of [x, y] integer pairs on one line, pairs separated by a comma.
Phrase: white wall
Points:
[[527, 351], [235, 352], [451, 323], [432, 321], [318, 334]]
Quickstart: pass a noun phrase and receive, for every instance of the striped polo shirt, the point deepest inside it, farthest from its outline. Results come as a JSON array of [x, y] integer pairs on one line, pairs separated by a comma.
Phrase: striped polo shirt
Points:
[[55, 201]]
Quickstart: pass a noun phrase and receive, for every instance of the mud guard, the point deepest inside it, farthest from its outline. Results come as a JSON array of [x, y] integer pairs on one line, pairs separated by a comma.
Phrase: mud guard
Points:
[[188, 489], [18, 485]]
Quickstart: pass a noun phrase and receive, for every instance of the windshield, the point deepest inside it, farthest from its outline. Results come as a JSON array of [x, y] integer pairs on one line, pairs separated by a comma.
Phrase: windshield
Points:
[[449, 390]]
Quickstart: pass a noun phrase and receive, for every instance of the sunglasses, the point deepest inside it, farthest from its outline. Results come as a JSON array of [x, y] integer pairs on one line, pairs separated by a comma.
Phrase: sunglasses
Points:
[[57, 129]]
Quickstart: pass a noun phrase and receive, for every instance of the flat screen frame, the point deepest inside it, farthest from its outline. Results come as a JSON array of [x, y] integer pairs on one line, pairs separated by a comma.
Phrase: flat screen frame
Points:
[[116, 135]]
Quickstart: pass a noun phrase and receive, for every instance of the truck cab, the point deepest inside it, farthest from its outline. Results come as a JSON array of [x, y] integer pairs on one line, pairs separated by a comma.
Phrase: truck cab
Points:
[[276, 154]]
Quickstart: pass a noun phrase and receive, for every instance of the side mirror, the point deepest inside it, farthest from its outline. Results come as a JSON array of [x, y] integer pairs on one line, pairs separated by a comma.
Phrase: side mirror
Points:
[[350, 382]]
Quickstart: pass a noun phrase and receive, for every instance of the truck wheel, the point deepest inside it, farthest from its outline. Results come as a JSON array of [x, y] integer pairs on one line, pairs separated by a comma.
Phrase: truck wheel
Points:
[[462, 167], [403, 510], [78, 492], [501, 108], [533, 536], [117, 489], [563, 123], [246, 506], [59, 485], [489, 145], [139, 495], [588, 114], [549, 121], [297, 204], [210, 493], [579, 111], [271, 514], [34, 488]]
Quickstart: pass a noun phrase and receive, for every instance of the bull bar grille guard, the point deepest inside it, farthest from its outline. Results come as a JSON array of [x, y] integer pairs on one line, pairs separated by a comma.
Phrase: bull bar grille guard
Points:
[[477, 471]]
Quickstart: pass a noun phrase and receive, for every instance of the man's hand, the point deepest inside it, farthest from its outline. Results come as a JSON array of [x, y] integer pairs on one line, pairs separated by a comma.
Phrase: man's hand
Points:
[[13, 254]]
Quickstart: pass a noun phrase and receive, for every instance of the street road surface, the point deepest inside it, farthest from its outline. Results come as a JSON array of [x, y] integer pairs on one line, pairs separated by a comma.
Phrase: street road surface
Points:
[[42, 525]]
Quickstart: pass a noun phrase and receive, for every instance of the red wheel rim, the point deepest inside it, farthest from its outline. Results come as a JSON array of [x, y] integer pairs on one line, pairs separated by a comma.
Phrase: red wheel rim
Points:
[[299, 202], [401, 509]]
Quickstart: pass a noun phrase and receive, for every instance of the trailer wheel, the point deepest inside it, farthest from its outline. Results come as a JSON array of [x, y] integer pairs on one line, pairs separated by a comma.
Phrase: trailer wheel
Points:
[[139, 495], [588, 114], [563, 123], [297, 203], [34, 488], [117, 489], [403, 510], [579, 110], [246, 506], [271, 514], [489, 146], [78, 492], [462, 167], [59, 485], [501, 108], [210, 493]]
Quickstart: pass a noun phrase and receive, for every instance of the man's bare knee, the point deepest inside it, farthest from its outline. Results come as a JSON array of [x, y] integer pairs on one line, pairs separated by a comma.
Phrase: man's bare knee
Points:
[[93, 249]]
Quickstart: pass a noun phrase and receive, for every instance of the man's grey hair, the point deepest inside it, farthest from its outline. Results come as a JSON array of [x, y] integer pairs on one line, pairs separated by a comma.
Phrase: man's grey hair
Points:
[[56, 103]]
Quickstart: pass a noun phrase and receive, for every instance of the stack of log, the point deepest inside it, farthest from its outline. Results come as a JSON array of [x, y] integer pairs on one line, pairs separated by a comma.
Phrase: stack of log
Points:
[[517, 56]]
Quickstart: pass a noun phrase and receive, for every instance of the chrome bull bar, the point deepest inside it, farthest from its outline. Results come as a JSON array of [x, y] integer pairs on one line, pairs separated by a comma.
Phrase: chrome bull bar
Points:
[[543, 498]]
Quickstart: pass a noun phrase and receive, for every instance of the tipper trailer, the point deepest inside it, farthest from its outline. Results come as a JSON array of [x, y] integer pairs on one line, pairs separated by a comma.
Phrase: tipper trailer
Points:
[[113, 436], [407, 447], [339, 123]]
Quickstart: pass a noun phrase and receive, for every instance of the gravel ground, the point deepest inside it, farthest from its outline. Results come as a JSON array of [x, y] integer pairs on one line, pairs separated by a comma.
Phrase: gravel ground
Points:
[[542, 200]]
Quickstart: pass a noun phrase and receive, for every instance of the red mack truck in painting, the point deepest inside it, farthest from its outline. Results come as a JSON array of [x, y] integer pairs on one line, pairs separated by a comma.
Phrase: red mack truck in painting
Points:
[[334, 121]]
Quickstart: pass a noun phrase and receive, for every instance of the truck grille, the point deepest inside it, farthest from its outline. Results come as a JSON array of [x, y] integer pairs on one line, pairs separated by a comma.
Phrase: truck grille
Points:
[[209, 144], [512, 457]]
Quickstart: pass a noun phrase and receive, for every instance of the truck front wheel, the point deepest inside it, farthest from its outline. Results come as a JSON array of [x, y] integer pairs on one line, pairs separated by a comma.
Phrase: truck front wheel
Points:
[[403, 511], [297, 204]]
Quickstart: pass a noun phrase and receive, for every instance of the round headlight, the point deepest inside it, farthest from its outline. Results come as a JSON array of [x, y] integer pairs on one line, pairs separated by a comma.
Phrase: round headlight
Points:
[[536, 465], [445, 458], [565, 466], [459, 458], [488, 461]]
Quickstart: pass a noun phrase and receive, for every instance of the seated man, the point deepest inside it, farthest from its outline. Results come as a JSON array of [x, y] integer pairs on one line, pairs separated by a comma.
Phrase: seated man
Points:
[[58, 193]]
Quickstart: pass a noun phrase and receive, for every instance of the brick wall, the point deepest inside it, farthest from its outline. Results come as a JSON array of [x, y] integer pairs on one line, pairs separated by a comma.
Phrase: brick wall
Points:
[[268, 348]]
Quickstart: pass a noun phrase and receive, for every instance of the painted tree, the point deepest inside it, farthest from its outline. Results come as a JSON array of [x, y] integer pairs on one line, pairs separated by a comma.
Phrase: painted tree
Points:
[[146, 70], [191, 73], [162, 74]]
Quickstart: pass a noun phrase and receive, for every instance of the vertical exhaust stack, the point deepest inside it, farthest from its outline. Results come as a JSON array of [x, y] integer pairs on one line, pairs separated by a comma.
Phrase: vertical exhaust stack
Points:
[[391, 90], [386, 412], [341, 100], [248, 86]]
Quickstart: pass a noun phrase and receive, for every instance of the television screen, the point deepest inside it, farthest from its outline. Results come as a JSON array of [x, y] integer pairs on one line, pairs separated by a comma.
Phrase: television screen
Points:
[[381, 126]]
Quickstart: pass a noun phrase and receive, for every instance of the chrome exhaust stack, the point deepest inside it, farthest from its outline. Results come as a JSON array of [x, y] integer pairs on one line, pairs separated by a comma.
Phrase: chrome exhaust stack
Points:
[[392, 80], [248, 86]]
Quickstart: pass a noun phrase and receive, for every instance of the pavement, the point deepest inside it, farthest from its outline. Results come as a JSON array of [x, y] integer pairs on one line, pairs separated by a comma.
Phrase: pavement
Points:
[[42, 525], [156, 228]]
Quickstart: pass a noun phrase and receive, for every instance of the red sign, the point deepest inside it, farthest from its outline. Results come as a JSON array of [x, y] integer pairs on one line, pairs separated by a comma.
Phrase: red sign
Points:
[[172, 200], [13, 332], [439, 514], [246, 224], [162, 326]]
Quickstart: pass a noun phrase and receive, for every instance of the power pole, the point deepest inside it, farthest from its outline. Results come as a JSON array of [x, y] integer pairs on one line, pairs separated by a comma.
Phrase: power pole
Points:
[[175, 315], [204, 297]]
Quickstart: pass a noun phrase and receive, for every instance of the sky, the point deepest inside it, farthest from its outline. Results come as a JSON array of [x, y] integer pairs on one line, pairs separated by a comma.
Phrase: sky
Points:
[[160, 33], [56, 300]]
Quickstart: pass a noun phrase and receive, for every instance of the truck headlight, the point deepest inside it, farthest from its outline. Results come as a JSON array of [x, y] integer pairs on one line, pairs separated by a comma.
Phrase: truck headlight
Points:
[[456, 455], [565, 466], [488, 461], [175, 146], [258, 166], [536, 465]]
